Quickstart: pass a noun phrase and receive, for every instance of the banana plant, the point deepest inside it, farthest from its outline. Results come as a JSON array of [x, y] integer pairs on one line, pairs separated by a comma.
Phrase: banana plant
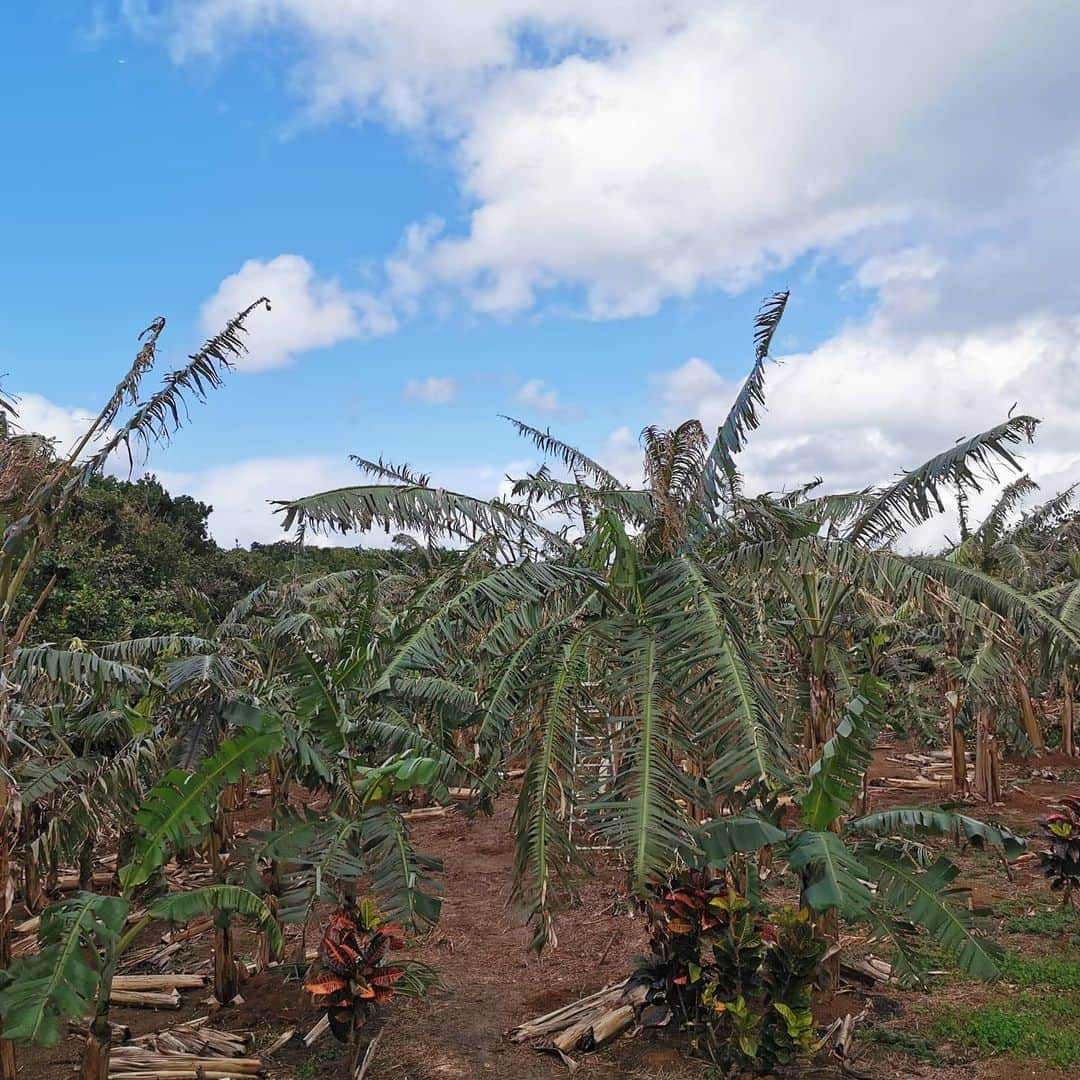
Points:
[[872, 868], [361, 835], [34, 507], [657, 616], [83, 938]]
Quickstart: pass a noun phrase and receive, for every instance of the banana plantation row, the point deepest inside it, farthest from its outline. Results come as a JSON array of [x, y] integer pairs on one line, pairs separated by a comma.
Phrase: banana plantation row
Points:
[[734, 657]]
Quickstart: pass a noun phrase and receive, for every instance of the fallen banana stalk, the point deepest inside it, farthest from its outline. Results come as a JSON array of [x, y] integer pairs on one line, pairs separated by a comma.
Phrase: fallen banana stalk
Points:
[[369, 1057], [203, 1041], [130, 1061], [158, 956], [31, 926], [146, 999], [427, 812], [868, 969], [564, 1017], [118, 1033], [220, 1071], [195, 928], [282, 1040], [317, 1032], [590, 1022], [167, 981], [26, 946], [596, 1029]]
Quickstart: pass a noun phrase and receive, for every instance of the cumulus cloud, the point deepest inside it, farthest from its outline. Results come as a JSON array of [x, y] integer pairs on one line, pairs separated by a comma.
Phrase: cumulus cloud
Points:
[[405, 63], [534, 394], [308, 312], [240, 493], [39, 416], [642, 151], [434, 390], [632, 152], [733, 143], [866, 404], [621, 454]]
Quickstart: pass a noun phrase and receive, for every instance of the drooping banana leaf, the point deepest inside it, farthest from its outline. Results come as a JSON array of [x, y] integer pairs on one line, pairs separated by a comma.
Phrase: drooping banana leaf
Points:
[[38, 994], [183, 802]]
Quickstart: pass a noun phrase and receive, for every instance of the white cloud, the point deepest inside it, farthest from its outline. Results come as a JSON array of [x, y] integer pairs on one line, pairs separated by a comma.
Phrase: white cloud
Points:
[[402, 62], [869, 402], [240, 493], [535, 395], [621, 454], [307, 312], [643, 151], [694, 381], [39, 416], [637, 151], [735, 142], [434, 390]]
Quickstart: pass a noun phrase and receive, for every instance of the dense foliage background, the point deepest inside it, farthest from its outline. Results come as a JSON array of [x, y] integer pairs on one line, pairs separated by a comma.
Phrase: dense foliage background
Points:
[[134, 561]]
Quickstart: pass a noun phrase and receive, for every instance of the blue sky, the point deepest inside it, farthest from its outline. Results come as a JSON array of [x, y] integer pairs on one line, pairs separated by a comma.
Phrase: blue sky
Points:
[[598, 196]]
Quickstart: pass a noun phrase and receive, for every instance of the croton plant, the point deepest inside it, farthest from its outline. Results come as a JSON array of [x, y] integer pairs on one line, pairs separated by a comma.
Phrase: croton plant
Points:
[[738, 981], [356, 978], [1061, 859]]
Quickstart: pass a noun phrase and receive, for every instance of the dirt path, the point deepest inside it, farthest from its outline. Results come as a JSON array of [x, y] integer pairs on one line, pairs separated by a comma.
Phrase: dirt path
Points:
[[494, 983], [480, 949]]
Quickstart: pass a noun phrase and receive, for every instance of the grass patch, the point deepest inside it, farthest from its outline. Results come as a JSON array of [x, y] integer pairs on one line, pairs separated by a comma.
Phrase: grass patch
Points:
[[1057, 922], [1036, 1020], [312, 1065], [1035, 1025], [1021, 915], [1059, 972]]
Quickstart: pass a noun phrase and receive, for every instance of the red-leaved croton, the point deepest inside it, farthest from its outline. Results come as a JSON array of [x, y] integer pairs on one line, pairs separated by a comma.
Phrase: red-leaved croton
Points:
[[355, 978]]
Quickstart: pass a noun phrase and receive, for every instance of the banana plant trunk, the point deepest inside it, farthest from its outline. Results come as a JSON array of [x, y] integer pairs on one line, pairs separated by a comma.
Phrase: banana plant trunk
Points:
[[86, 865], [953, 703], [8, 1067], [822, 698], [1027, 714], [981, 738], [822, 709], [231, 799], [33, 891], [226, 976], [98, 1045], [822, 727], [96, 1052], [829, 924], [279, 784], [987, 757], [1068, 744], [957, 744], [226, 984]]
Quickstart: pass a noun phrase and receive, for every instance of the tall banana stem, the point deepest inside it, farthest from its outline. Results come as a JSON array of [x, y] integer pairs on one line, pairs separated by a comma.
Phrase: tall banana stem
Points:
[[1027, 714], [1068, 738]]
